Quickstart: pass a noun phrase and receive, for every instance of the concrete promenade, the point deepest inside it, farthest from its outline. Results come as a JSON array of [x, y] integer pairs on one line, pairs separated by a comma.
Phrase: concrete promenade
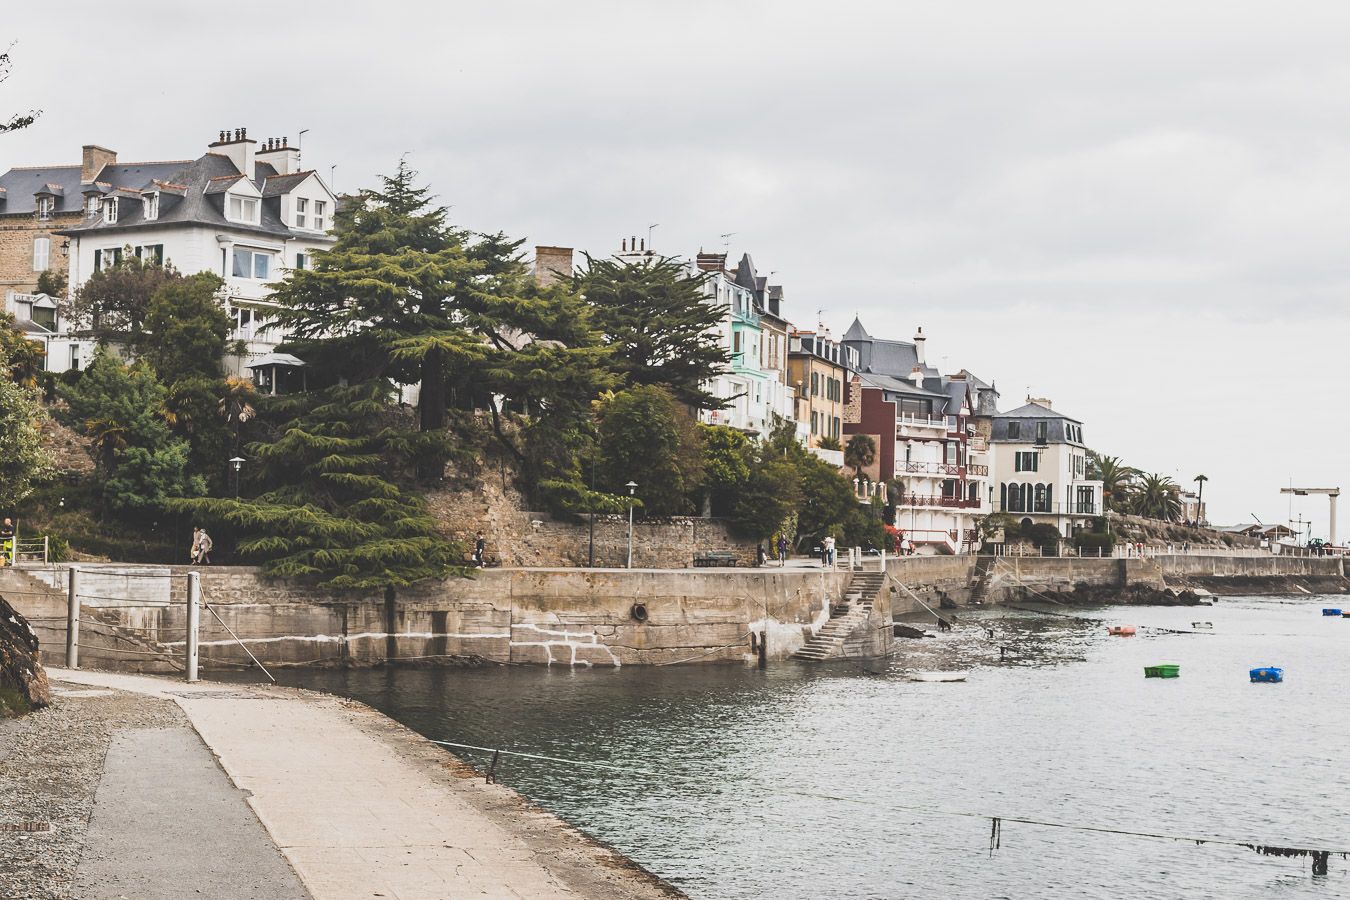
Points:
[[362, 807]]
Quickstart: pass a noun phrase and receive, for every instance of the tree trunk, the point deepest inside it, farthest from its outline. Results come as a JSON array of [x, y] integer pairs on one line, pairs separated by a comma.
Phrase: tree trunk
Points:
[[432, 399]]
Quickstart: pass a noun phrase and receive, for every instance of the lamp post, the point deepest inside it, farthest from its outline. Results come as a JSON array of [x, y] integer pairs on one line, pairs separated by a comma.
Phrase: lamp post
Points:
[[632, 486], [236, 462]]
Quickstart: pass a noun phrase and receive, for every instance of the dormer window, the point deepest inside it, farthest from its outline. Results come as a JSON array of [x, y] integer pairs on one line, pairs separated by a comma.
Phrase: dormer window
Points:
[[45, 206], [301, 212], [320, 210], [93, 204], [243, 209], [150, 206], [110, 211]]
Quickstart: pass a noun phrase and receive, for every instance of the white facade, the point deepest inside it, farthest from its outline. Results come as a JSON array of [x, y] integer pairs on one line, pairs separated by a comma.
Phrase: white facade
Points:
[[1040, 469], [248, 217]]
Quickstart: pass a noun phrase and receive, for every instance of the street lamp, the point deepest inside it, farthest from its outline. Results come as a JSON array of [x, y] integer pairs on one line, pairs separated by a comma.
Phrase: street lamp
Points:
[[632, 486], [236, 461]]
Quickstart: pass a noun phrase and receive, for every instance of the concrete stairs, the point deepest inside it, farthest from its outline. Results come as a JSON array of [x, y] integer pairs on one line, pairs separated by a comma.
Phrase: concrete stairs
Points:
[[856, 608], [982, 576]]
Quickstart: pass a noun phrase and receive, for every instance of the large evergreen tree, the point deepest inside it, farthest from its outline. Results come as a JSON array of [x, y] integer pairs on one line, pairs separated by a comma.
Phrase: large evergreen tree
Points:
[[660, 323], [339, 504], [22, 459], [646, 437], [141, 464]]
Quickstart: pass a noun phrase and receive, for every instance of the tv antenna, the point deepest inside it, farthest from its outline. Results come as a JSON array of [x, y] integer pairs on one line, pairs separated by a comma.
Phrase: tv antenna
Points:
[[649, 234], [726, 240]]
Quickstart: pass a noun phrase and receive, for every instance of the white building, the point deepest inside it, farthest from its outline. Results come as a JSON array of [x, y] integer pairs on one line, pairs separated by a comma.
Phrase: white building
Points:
[[1040, 467], [246, 214]]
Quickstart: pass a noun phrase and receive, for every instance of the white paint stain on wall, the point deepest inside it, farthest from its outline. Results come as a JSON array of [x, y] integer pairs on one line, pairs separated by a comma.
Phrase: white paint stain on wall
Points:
[[565, 641]]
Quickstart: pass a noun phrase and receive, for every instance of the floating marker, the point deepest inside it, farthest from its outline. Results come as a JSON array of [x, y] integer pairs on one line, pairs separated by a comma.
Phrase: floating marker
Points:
[[1327, 611], [1121, 630], [1268, 675], [1166, 670]]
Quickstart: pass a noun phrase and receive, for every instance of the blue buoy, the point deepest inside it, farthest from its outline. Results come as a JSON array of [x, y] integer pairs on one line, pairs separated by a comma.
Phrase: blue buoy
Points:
[[1267, 675], [1330, 612]]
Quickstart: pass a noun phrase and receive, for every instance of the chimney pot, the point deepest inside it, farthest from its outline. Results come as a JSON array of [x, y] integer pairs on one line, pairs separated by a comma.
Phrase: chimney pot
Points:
[[644, 245], [243, 132], [285, 141], [624, 245], [222, 137]]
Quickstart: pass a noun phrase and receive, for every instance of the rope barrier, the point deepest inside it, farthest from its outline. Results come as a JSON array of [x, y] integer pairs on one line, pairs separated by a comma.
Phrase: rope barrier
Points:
[[998, 820], [676, 662]]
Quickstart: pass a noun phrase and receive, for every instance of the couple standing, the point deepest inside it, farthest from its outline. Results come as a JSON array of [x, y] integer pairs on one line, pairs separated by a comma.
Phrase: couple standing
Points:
[[201, 547]]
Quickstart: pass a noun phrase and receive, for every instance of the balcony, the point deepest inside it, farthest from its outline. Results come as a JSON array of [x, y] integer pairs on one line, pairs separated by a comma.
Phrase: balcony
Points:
[[978, 444], [925, 500], [1053, 509], [973, 469], [911, 426], [933, 468]]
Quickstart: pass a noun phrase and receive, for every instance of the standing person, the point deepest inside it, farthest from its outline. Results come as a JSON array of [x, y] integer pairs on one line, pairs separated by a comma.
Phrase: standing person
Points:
[[7, 542], [479, 549], [195, 550], [827, 547], [761, 557], [782, 550]]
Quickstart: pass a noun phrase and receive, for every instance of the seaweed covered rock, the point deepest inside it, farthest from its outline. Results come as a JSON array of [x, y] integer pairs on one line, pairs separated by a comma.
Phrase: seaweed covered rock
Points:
[[23, 683]]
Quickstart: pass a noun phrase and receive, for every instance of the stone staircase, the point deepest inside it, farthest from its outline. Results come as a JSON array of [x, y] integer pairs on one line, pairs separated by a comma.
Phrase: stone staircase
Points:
[[982, 576], [828, 642]]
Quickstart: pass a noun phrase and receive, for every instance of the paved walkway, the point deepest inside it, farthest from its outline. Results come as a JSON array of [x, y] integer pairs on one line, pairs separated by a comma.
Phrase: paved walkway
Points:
[[363, 808], [167, 822]]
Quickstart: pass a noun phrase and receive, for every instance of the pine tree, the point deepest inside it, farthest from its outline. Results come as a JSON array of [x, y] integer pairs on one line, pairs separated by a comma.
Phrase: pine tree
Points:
[[339, 506], [660, 323], [22, 459]]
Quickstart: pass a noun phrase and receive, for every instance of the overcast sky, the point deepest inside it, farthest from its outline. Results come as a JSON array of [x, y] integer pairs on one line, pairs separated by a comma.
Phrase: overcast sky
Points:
[[1138, 210]]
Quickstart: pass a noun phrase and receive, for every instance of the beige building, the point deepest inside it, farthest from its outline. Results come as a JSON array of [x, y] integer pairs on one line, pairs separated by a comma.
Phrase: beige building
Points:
[[818, 367]]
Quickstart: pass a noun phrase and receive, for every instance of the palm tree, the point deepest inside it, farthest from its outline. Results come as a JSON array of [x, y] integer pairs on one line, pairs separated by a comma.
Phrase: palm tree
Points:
[[829, 443], [1117, 480], [1158, 497], [860, 452], [109, 437], [236, 404], [1200, 499]]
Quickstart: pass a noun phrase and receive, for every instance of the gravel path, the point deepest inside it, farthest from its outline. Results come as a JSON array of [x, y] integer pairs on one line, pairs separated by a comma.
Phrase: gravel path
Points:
[[51, 762]]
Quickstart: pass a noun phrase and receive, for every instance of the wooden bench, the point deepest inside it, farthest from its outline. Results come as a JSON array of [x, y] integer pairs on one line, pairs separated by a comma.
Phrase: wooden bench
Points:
[[709, 558]]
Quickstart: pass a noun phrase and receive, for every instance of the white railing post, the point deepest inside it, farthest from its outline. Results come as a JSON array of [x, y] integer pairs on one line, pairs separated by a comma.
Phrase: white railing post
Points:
[[194, 597], [46, 549], [73, 619]]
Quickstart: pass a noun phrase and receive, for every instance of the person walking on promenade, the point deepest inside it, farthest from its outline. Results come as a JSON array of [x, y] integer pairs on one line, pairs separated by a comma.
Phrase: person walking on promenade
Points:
[[479, 550], [782, 550], [201, 547], [827, 551], [7, 542]]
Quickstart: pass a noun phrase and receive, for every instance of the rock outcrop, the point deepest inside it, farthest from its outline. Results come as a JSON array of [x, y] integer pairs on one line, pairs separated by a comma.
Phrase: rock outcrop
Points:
[[23, 683]]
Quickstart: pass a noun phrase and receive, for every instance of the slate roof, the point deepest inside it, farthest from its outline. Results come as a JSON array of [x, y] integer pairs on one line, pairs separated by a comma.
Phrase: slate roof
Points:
[[1036, 411], [19, 185], [276, 185], [856, 331], [202, 203], [893, 385]]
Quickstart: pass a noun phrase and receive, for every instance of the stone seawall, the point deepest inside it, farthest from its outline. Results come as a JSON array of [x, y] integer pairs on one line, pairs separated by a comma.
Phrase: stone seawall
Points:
[[938, 580], [507, 616]]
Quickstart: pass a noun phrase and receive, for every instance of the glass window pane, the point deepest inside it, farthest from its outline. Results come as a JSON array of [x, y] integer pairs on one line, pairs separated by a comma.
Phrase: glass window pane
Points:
[[260, 262], [241, 263]]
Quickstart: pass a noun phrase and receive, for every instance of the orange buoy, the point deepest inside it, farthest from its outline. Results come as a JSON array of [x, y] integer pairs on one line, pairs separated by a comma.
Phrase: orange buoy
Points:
[[1121, 630]]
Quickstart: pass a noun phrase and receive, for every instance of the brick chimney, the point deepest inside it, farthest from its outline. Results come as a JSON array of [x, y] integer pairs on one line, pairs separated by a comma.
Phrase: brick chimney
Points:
[[93, 161], [711, 262], [552, 264], [238, 147], [1043, 401]]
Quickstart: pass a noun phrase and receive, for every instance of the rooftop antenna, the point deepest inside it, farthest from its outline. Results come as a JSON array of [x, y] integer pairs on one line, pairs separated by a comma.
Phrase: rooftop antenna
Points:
[[300, 140], [649, 234], [820, 320], [332, 178], [726, 240]]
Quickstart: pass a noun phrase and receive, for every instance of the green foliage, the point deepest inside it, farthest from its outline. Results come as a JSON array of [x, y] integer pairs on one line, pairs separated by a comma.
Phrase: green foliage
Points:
[[1117, 480], [1092, 543], [1044, 536], [647, 438], [52, 282], [767, 499], [339, 505], [22, 459], [860, 452], [728, 457], [656, 317], [22, 357], [185, 329], [829, 443], [995, 523], [863, 527], [828, 501], [1157, 497], [114, 302], [141, 465]]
